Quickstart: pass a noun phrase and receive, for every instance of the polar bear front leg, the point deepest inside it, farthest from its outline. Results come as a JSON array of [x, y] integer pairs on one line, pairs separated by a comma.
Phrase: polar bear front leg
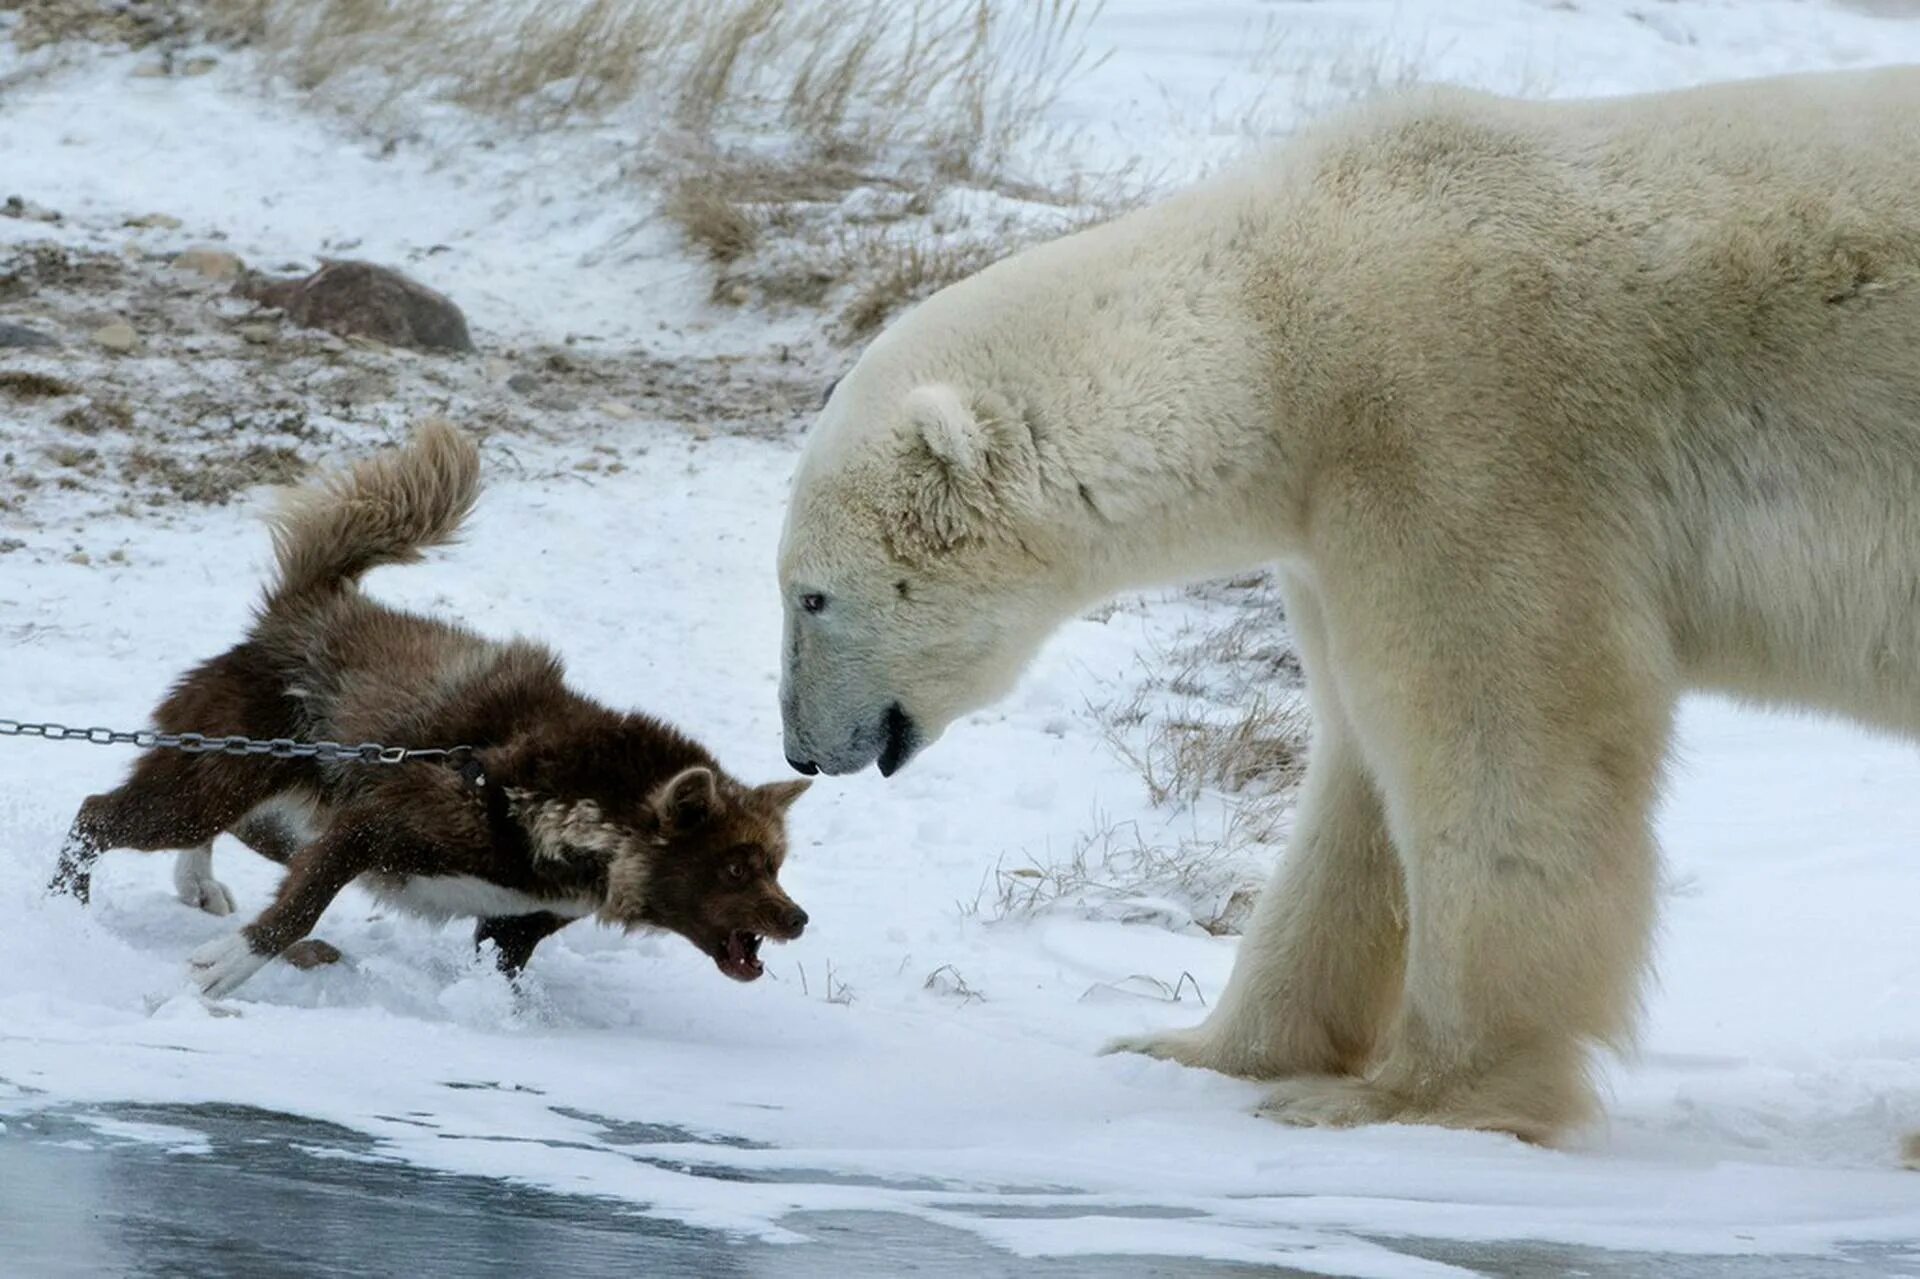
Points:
[[1319, 969], [1519, 760], [1318, 973]]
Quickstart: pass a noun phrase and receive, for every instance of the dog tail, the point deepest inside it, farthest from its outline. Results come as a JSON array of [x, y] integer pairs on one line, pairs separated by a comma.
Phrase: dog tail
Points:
[[385, 510]]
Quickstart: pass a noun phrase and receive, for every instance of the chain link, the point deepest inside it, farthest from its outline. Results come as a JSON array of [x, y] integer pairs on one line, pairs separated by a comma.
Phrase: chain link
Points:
[[274, 748]]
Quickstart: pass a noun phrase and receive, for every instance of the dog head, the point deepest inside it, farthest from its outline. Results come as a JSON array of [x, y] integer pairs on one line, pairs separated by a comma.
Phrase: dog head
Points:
[[694, 852], [711, 871]]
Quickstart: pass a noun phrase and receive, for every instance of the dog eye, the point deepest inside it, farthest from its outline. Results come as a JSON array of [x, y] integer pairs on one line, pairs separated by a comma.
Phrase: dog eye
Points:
[[736, 871], [812, 602]]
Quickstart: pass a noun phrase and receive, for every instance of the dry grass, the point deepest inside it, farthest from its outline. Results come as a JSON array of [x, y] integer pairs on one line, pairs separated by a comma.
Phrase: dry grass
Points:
[[771, 126], [1217, 715], [1261, 750], [955, 82], [1115, 872], [25, 384], [213, 478], [714, 216], [135, 25], [892, 273], [1220, 709]]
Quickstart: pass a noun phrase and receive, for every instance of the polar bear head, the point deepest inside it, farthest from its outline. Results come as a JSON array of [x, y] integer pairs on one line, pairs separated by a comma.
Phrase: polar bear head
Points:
[[916, 566]]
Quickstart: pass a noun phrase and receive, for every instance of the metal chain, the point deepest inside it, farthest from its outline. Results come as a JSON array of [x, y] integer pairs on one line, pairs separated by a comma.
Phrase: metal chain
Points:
[[276, 747]]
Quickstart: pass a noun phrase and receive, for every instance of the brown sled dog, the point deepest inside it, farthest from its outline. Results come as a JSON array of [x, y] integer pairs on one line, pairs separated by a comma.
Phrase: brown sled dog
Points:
[[567, 809]]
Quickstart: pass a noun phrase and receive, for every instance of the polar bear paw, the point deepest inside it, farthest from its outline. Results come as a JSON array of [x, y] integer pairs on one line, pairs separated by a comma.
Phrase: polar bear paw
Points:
[[221, 966], [1333, 1101], [194, 882], [1188, 1047]]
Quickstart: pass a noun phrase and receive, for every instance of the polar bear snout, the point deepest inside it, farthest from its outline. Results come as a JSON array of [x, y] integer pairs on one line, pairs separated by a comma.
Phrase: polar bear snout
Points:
[[888, 739]]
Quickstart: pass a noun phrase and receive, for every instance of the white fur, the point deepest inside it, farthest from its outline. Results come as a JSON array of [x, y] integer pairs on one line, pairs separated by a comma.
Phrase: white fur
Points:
[[444, 897], [193, 880], [224, 964], [558, 829], [297, 812], [1546, 412]]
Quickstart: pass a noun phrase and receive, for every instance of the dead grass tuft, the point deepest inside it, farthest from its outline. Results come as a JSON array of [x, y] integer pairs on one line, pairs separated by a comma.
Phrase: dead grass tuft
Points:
[[713, 216], [1115, 872], [892, 274], [213, 479], [132, 23], [1218, 714], [24, 384]]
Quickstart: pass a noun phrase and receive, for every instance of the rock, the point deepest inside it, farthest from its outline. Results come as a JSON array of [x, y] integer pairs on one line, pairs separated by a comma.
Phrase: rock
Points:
[[117, 337], [525, 383], [617, 411], [18, 337], [258, 334], [213, 264], [81, 558], [15, 207], [198, 66], [155, 221], [312, 953], [363, 300]]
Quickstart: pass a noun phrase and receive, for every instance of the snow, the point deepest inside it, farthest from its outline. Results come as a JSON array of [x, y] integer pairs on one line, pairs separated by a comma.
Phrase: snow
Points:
[[1781, 1053]]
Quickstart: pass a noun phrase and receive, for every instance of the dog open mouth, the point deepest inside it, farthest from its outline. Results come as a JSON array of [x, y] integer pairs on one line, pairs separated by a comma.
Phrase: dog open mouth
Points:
[[739, 955]]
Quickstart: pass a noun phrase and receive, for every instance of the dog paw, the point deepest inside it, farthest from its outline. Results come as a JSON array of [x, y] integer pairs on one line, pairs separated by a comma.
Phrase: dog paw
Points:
[[221, 966], [194, 882], [209, 895]]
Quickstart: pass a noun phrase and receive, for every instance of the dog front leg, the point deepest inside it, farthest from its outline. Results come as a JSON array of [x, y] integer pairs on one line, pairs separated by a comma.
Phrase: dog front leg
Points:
[[314, 877], [515, 936]]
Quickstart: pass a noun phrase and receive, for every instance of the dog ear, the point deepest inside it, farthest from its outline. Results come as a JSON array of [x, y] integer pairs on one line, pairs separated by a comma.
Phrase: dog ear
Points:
[[687, 799], [780, 795], [969, 461]]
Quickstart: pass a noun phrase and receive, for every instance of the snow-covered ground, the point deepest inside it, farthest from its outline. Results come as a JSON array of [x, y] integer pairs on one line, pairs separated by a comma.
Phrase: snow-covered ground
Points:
[[913, 1054]]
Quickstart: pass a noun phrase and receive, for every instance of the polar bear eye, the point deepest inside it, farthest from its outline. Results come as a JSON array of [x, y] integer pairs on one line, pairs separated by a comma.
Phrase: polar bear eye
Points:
[[812, 602]]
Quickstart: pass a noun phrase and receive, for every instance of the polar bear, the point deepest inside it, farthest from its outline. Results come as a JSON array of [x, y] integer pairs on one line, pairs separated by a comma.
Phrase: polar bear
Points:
[[1544, 413]]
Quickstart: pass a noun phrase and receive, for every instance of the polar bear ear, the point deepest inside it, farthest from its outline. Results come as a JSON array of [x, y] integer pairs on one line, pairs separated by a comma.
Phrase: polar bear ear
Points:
[[967, 462]]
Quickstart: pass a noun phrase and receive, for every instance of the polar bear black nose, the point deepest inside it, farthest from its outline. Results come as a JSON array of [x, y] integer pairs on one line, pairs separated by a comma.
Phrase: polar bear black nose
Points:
[[805, 766]]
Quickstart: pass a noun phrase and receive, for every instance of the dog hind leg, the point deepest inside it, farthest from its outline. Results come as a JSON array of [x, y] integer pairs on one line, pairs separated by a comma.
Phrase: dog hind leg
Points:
[[194, 882]]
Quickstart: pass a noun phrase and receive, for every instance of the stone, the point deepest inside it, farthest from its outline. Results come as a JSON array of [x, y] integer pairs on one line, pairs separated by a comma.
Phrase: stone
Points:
[[617, 411], [258, 334], [117, 337], [311, 953], [365, 301], [15, 207], [18, 337], [213, 264], [524, 383], [155, 221]]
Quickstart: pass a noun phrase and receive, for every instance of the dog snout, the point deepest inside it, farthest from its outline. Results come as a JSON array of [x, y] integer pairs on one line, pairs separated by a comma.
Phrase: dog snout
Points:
[[806, 767], [793, 921]]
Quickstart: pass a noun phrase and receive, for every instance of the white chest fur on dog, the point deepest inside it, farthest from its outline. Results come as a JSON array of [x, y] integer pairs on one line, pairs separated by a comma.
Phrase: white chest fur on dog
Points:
[[444, 897]]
